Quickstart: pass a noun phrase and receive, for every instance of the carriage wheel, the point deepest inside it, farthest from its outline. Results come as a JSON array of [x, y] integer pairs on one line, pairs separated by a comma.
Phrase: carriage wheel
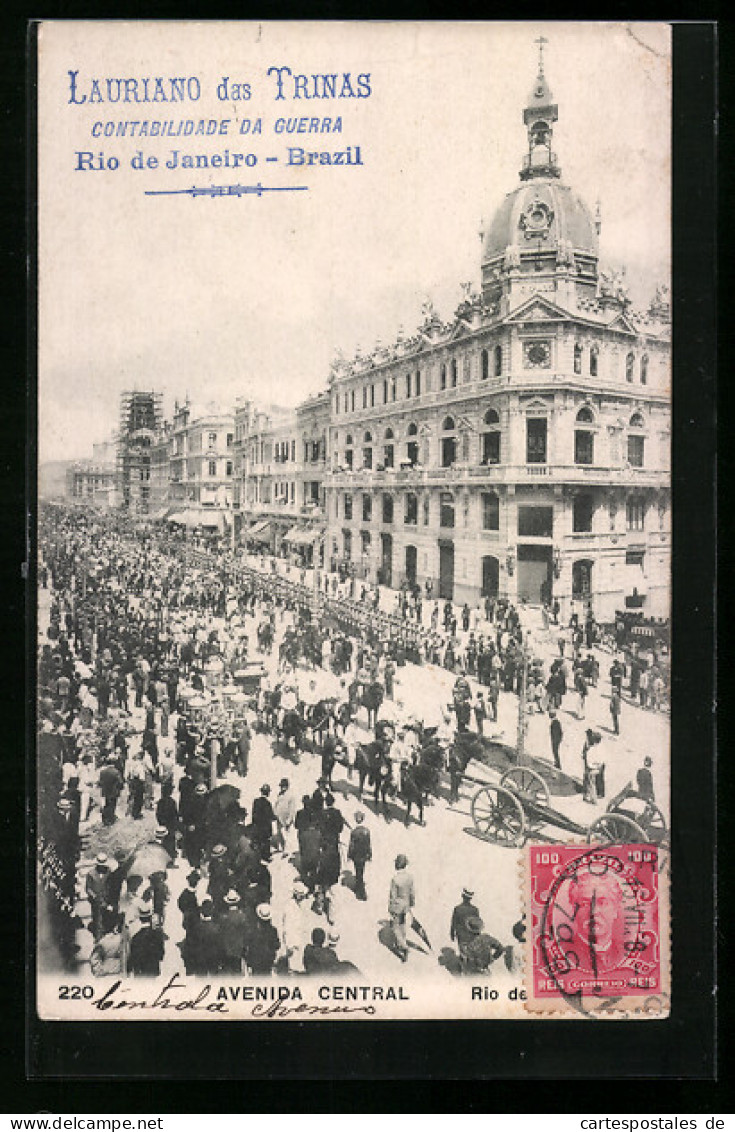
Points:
[[615, 829], [526, 782], [498, 816]]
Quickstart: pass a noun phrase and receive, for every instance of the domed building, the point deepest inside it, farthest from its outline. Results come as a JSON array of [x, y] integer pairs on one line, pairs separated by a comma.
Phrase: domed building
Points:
[[521, 448]]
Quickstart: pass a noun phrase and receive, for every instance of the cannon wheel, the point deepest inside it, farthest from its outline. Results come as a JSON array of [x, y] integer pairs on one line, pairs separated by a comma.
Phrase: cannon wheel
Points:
[[498, 815], [616, 829], [526, 782], [654, 824]]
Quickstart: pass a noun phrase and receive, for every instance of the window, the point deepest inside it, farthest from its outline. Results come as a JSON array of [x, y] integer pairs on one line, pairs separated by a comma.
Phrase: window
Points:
[[352, 400], [228, 468], [635, 558], [367, 451], [348, 452], [385, 391], [536, 428], [449, 444], [498, 361], [230, 439], [644, 369], [393, 389], [372, 396], [582, 578], [635, 511], [467, 368], [412, 448], [293, 449], [426, 510], [629, 363], [577, 358], [388, 449], [213, 467], [443, 377], [347, 538], [412, 510], [453, 373], [446, 509], [212, 440], [409, 383], [367, 508], [536, 522], [582, 511], [485, 365], [594, 357], [418, 382], [364, 396], [348, 506], [636, 421], [584, 447], [490, 512], [491, 439], [365, 541], [387, 508], [636, 451]]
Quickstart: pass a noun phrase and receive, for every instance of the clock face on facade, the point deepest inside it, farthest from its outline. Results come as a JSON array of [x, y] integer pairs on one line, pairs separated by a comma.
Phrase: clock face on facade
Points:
[[538, 354], [536, 220]]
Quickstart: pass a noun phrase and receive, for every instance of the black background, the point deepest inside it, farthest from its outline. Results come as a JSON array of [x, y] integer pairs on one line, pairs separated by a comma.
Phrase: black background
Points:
[[667, 1066]]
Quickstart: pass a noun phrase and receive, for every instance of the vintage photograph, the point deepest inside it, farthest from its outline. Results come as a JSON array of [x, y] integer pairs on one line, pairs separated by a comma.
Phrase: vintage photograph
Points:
[[354, 520]]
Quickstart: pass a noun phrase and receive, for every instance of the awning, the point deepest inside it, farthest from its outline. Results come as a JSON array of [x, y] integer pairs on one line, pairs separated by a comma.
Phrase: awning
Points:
[[301, 536], [193, 517], [261, 529]]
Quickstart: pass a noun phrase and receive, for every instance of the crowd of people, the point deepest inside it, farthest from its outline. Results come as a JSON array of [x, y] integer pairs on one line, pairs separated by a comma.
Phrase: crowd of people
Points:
[[134, 632]]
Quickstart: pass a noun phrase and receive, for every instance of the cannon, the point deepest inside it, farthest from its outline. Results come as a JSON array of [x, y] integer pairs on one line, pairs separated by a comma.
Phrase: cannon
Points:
[[518, 808]]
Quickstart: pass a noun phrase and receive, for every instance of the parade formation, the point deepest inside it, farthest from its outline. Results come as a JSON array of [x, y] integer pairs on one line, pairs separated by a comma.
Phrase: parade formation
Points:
[[246, 767]]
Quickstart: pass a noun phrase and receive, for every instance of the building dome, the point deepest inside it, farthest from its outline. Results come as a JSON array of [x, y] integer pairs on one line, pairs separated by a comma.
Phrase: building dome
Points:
[[542, 214]]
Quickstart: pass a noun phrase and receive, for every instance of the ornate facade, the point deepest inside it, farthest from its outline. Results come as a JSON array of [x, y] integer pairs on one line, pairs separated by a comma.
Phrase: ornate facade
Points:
[[522, 448]]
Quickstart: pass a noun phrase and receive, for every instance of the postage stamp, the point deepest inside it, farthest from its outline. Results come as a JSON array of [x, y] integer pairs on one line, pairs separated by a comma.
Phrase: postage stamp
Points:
[[595, 935]]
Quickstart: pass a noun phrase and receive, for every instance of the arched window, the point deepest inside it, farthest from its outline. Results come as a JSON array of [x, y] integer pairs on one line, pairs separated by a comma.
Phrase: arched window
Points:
[[584, 438], [411, 513], [594, 358], [629, 363], [443, 377], [388, 449], [449, 443], [367, 451], [636, 442], [453, 373], [491, 438], [485, 365], [644, 369], [577, 358], [498, 361], [582, 578], [412, 447], [446, 512]]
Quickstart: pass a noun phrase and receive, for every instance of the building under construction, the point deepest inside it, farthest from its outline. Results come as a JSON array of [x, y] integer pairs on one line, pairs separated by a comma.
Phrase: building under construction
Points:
[[141, 416]]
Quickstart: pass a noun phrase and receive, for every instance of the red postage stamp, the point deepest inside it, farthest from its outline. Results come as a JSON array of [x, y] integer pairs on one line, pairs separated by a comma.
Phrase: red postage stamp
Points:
[[594, 920]]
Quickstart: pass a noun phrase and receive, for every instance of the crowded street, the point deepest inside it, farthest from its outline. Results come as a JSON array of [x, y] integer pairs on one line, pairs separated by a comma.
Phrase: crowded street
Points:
[[243, 763]]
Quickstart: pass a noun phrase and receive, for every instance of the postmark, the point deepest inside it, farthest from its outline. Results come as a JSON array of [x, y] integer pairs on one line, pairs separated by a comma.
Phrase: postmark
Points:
[[595, 938]]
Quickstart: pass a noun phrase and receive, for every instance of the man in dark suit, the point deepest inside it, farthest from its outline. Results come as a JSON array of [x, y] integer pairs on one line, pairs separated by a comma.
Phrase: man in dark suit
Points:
[[458, 930], [360, 852], [146, 948], [556, 733]]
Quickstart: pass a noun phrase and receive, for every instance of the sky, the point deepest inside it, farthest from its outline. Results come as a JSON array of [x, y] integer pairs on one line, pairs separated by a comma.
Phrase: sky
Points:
[[227, 297]]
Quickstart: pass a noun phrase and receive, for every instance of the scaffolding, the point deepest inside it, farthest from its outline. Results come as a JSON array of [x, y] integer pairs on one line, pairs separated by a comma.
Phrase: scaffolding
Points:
[[140, 422]]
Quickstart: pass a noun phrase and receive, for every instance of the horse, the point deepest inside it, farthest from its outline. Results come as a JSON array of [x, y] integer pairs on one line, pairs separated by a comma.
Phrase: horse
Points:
[[374, 764], [291, 728], [319, 717]]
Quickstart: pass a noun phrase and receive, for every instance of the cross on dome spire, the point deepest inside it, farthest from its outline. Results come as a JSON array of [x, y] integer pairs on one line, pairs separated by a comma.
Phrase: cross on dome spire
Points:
[[541, 41]]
